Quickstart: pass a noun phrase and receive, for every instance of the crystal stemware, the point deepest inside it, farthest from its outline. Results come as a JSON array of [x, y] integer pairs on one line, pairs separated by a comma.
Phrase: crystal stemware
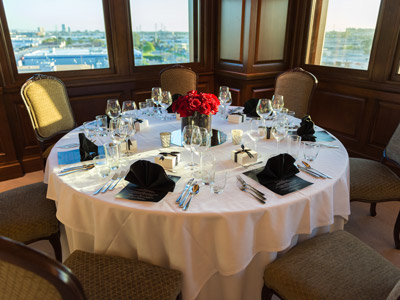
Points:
[[256, 132], [277, 103], [204, 141], [189, 143], [129, 108], [279, 129], [165, 102], [156, 96], [113, 110]]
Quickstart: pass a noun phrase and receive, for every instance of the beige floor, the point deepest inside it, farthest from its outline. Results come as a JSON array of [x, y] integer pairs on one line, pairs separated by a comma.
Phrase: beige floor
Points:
[[377, 232]]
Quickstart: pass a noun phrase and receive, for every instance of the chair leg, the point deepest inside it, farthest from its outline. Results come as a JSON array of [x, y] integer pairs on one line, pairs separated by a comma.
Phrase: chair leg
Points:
[[179, 296], [372, 209], [396, 232], [266, 293], [56, 243]]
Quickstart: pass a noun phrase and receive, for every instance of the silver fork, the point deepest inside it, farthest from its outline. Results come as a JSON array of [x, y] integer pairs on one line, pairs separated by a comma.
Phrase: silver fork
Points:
[[245, 184], [120, 176], [244, 189], [113, 179]]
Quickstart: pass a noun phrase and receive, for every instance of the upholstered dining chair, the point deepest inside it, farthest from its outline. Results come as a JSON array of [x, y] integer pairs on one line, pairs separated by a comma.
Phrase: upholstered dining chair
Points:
[[332, 266], [28, 274], [297, 87], [178, 79], [49, 109], [27, 216], [373, 182]]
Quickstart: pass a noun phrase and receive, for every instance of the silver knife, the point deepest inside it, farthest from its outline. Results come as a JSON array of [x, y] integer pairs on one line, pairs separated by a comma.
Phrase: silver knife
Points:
[[187, 186], [308, 166], [309, 172]]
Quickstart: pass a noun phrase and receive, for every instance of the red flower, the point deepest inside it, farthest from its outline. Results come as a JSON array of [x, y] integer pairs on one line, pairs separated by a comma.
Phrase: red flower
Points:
[[201, 102]]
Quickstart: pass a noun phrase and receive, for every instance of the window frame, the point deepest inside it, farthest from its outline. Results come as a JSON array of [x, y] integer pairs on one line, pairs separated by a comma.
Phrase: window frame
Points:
[[12, 64], [198, 42], [338, 72]]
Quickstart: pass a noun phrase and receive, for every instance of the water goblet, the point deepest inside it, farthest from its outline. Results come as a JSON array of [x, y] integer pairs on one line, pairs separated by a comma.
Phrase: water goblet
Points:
[[277, 103], [279, 129], [156, 96], [203, 139], [113, 110], [165, 102], [143, 108], [256, 132], [187, 142], [129, 108]]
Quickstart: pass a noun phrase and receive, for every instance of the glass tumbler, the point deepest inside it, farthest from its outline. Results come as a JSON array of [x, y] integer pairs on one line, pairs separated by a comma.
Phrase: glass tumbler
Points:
[[101, 165], [218, 182], [112, 152], [310, 150], [293, 145], [208, 169], [90, 129]]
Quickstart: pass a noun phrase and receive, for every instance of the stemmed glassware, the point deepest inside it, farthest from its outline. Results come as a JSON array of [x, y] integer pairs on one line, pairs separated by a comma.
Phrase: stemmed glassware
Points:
[[129, 108], [119, 129], [256, 132], [156, 96], [191, 144], [224, 97], [204, 138], [165, 102], [279, 129], [113, 110], [277, 103]]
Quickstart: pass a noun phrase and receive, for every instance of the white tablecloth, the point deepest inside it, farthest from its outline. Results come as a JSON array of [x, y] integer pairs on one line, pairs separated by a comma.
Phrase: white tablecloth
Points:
[[223, 242]]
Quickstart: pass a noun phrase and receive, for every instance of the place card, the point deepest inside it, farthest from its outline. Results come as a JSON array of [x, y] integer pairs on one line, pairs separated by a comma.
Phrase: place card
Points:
[[280, 186], [133, 192]]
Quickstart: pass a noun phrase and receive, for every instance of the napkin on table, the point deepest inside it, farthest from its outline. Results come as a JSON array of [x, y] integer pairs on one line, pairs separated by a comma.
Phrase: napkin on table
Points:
[[148, 175], [278, 167], [87, 149], [250, 108], [306, 130]]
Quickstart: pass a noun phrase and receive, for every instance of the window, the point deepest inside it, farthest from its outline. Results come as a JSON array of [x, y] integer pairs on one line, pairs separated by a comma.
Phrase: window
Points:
[[163, 31], [57, 35], [342, 32]]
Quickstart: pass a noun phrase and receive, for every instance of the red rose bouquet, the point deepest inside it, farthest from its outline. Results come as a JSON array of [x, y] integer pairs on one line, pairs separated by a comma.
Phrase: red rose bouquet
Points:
[[202, 103]]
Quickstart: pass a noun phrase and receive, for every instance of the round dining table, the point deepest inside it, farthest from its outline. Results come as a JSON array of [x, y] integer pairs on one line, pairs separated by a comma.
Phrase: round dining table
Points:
[[223, 242]]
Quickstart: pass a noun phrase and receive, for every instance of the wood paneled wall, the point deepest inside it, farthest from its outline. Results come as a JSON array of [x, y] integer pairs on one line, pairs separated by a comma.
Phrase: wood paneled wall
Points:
[[239, 49]]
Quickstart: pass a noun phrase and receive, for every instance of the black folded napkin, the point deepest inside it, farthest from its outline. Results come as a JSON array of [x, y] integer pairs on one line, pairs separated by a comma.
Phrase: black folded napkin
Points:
[[278, 167], [150, 176], [250, 108], [174, 98], [87, 149], [306, 130]]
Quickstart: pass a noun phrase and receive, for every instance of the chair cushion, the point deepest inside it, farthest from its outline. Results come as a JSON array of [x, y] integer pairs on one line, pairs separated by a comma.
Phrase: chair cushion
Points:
[[26, 214], [110, 277], [332, 266], [17, 283], [372, 181], [395, 293]]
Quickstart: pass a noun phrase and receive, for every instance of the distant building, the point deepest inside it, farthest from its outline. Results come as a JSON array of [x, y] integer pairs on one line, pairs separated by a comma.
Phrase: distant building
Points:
[[63, 28]]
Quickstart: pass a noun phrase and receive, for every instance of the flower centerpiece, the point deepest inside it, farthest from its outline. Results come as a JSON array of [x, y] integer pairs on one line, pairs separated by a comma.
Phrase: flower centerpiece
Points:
[[196, 108]]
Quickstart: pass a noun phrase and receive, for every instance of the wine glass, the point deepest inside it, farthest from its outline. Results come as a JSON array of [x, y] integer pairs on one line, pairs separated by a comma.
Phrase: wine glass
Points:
[[129, 108], [165, 102], [119, 129], [279, 129], [277, 103], [264, 109], [189, 143], [127, 124], [256, 132], [228, 101], [113, 109], [204, 141], [224, 96], [156, 96]]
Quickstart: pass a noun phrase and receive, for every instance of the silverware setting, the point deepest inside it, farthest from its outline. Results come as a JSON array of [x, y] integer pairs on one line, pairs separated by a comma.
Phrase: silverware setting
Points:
[[309, 172], [308, 167], [252, 164], [88, 166], [105, 186], [80, 169], [68, 146], [328, 145], [187, 186], [119, 178], [245, 187], [194, 190]]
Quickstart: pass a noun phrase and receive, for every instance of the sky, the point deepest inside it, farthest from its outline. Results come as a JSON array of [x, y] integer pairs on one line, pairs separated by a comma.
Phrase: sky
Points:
[[88, 14], [344, 14]]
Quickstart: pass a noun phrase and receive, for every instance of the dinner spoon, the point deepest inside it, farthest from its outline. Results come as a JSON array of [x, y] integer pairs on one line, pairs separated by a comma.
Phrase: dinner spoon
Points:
[[194, 191]]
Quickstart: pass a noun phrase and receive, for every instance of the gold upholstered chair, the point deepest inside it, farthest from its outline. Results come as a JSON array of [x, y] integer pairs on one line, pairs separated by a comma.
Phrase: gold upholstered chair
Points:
[[27, 216], [297, 87], [27, 274], [334, 266], [49, 109], [373, 182], [178, 79]]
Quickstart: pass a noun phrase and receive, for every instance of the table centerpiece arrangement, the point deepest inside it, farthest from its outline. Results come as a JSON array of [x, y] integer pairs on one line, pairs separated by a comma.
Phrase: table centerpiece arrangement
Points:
[[196, 109]]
